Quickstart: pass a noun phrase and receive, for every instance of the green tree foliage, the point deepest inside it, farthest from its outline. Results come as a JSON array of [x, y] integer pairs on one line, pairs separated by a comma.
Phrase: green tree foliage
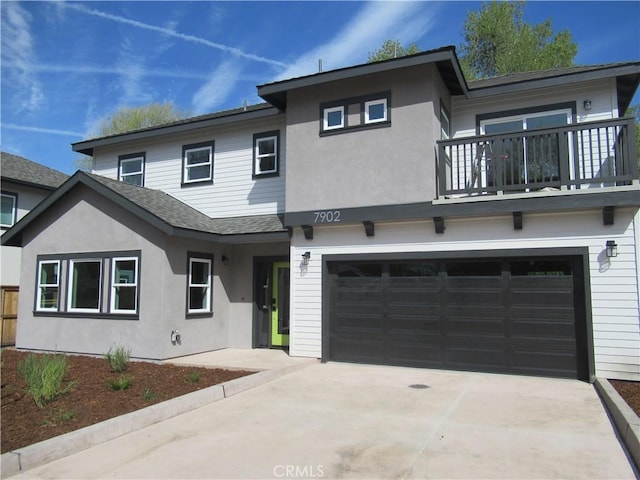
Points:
[[634, 111], [127, 119], [392, 49], [499, 41]]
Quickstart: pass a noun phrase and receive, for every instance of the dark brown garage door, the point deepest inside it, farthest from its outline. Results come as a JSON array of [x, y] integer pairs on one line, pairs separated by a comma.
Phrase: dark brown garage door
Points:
[[496, 315]]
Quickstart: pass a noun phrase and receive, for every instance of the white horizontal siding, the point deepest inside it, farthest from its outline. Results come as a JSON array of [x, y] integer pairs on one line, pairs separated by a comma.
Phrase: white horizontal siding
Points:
[[614, 285], [234, 192]]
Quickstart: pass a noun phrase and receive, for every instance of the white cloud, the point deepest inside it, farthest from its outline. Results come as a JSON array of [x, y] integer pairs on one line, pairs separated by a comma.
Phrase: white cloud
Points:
[[222, 81], [53, 131], [17, 49], [172, 33], [376, 22]]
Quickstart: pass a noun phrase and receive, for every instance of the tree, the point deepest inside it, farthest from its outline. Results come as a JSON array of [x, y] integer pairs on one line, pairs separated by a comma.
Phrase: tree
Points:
[[499, 41], [634, 111], [127, 119], [392, 49]]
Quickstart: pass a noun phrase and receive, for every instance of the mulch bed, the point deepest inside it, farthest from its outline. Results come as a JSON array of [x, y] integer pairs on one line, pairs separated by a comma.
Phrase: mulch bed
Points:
[[92, 400], [630, 391]]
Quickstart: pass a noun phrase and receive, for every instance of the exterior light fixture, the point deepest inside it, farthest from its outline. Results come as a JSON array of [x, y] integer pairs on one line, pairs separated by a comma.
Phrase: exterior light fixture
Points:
[[587, 105], [612, 248], [225, 259], [305, 258]]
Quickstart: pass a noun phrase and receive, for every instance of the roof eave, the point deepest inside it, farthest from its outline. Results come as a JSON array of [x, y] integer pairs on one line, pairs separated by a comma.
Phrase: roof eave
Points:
[[87, 147]]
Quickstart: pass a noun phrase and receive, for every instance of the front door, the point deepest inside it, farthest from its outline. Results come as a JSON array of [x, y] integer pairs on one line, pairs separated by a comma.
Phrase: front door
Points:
[[280, 305], [271, 298]]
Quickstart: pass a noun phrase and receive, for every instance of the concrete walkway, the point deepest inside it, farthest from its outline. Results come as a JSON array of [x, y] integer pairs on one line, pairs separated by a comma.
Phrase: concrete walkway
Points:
[[243, 359], [358, 421]]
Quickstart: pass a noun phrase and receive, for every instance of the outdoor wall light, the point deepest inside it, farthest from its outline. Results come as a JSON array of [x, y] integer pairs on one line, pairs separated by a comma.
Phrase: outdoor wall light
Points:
[[587, 105], [305, 258], [225, 260], [612, 248]]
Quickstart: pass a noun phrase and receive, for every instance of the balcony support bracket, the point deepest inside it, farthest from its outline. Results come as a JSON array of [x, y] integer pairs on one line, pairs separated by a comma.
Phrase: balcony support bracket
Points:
[[438, 222], [517, 220], [608, 215], [308, 232], [369, 228]]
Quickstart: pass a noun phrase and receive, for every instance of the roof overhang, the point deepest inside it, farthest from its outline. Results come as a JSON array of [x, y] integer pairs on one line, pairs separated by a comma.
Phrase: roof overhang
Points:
[[444, 58], [87, 147]]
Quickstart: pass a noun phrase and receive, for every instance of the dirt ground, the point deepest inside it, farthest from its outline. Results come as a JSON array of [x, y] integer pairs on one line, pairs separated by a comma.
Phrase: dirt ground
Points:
[[630, 391], [92, 400]]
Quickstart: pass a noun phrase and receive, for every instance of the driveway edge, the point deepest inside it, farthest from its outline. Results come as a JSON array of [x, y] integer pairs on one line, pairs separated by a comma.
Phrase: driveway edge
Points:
[[626, 421], [64, 445]]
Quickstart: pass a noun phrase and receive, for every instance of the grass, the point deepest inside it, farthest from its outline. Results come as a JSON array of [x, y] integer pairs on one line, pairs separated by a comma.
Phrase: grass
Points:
[[121, 383], [192, 377], [119, 359], [44, 375]]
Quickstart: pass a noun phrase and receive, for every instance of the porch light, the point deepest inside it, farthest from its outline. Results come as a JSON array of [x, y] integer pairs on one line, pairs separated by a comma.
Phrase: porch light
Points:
[[305, 258], [612, 248], [225, 260], [587, 104]]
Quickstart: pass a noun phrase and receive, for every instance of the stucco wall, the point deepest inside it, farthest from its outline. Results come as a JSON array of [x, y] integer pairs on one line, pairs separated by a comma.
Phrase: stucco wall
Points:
[[379, 166]]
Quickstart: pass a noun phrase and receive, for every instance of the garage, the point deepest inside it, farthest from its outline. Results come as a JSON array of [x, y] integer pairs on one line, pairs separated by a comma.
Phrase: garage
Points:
[[519, 315]]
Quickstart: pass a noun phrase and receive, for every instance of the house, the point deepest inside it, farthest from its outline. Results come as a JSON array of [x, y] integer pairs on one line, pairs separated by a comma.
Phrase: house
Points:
[[388, 213], [23, 185]]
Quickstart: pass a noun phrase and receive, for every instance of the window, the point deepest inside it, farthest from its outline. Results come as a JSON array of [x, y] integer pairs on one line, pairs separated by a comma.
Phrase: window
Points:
[[445, 124], [9, 210], [199, 284], [48, 285], [124, 285], [85, 285], [265, 153], [197, 163], [333, 118], [131, 169], [375, 111]]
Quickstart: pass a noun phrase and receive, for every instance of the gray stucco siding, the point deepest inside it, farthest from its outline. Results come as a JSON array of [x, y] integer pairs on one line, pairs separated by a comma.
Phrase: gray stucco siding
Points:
[[84, 222], [389, 165]]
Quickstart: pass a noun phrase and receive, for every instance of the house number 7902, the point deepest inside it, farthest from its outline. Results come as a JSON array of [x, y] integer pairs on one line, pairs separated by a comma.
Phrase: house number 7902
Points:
[[327, 216]]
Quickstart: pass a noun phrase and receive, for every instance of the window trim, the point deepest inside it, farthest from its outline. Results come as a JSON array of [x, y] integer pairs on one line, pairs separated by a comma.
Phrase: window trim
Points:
[[325, 119], [193, 147], [72, 262], [113, 285], [257, 137], [40, 286], [370, 103], [128, 158], [203, 258], [14, 209]]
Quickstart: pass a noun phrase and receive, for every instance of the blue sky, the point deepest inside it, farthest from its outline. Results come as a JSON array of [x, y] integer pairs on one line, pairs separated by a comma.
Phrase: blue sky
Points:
[[66, 65]]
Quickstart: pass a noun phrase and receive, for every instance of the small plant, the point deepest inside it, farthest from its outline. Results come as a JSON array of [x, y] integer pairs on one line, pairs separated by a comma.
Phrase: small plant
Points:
[[121, 383], [44, 375], [148, 395], [118, 360], [59, 417], [192, 377]]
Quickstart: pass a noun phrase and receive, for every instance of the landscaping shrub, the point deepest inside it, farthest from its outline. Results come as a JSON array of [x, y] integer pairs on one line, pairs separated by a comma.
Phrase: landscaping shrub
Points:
[[44, 375], [148, 395], [121, 383], [192, 377], [118, 360]]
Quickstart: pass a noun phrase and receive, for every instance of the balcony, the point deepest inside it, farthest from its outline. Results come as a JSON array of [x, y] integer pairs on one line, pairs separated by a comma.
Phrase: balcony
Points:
[[573, 157]]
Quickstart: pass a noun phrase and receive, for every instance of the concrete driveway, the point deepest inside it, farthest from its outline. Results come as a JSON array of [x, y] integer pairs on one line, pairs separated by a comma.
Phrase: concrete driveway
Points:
[[358, 421]]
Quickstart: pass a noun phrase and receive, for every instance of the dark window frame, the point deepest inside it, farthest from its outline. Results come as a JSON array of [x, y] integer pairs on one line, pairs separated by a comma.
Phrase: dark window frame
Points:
[[191, 255], [256, 138], [361, 100], [14, 215], [132, 156], [198, 146]]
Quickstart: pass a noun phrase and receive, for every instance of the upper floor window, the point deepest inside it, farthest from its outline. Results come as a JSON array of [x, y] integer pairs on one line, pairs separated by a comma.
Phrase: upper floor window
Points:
[[265, 153], [197, 163], [375, 111], [333, 118], [445, 123], [131, 169], [9, 209], [349, 114]]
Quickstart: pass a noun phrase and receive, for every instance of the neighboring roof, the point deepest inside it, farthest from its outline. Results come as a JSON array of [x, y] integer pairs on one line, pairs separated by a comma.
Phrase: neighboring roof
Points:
[[17, 169], [445, 59], [163, 211], [249, 112]]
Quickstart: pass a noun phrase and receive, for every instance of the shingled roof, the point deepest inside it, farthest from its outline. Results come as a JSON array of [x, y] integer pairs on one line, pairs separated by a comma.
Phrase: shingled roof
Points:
[[162, 210], [18, 169]]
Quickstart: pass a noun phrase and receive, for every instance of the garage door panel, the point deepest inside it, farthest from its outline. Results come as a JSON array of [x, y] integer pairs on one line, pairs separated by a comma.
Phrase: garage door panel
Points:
[[494, 315]]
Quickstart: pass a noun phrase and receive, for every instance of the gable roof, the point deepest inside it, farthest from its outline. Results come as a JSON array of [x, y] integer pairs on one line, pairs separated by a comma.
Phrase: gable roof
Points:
[[161, 210], [17, 169]]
